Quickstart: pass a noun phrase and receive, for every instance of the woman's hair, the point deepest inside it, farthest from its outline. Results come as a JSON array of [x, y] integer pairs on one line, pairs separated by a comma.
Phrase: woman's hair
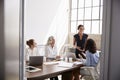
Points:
[[49, 41], [91, 46], [30, 42], [80, 26]]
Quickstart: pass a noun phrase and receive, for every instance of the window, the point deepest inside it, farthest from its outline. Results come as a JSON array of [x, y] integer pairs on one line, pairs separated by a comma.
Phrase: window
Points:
[[88, 13]]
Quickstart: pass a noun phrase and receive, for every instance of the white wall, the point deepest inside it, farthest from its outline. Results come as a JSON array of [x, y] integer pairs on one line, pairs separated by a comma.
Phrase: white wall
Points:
[[38, 18], [44, 18]]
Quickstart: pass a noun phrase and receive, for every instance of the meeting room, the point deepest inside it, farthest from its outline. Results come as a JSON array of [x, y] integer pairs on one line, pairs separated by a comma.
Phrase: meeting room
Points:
[[62, 39], [59, 39]]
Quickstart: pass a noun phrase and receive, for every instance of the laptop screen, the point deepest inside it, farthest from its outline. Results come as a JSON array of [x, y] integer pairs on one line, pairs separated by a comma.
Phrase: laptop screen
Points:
[[36, 61], [71, 55]]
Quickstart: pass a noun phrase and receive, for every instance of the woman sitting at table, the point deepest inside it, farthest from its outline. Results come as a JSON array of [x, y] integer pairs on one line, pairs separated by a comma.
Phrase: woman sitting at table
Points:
[[31, 50], [92, 57], [51, 51]]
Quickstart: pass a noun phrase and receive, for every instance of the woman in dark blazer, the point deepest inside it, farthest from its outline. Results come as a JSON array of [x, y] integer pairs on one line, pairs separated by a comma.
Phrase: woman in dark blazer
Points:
[[79, 41]]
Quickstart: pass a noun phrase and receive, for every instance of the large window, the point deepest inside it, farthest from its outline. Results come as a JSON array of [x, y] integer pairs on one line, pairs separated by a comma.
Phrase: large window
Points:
[[88, 13]]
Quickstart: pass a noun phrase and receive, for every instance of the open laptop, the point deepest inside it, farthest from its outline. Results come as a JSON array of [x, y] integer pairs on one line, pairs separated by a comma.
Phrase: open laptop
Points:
[[36, 61], [71, 55]]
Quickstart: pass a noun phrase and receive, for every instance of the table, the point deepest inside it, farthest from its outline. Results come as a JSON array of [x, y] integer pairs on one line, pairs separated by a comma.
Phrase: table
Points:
[[51, 71]]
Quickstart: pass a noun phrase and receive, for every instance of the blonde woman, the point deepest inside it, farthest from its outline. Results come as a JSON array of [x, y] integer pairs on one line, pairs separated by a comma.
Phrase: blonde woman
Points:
[[51, 51]]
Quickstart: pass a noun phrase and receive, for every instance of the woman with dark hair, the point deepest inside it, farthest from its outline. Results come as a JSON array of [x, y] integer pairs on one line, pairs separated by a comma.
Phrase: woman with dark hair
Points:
[[31, 50], [92, 55], [79, 41]]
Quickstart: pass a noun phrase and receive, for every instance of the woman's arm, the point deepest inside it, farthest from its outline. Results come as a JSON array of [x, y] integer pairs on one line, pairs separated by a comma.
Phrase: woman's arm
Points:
[[74, 42]]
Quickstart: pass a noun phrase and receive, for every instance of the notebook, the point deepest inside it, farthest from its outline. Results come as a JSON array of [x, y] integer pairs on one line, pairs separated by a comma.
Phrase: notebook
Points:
[[36, 61]]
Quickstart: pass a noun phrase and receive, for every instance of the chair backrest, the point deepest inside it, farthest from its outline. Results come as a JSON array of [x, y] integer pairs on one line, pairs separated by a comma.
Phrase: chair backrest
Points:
[[92, 71], [98, 65], [97, 68]]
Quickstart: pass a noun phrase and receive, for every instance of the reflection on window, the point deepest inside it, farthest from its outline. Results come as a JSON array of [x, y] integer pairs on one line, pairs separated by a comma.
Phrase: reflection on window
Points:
[[88, 13]]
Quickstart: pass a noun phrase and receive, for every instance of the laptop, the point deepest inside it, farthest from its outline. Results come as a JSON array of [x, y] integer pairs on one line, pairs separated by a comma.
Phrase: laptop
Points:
[[71, 55], [36, 61]]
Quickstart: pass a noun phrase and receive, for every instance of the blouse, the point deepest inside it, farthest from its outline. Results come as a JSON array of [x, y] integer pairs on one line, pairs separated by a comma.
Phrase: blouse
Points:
[[30, 52], [92, 59], [50, 52]]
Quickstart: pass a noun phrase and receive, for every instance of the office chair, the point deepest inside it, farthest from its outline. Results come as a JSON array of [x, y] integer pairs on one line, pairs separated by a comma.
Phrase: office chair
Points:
[[91, 73]]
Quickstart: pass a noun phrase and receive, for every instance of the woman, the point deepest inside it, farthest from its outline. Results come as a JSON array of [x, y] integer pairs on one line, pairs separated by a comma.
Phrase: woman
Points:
[[92, 55], [92, 58], [51, 51], [31, 50], [79, 41]]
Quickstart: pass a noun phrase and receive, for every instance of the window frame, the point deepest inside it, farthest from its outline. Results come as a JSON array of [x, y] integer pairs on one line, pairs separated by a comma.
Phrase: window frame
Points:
[[77, 20]]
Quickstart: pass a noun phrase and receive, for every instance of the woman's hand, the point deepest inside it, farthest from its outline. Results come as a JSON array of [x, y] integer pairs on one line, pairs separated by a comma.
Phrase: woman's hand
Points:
[[57, 56], [79, 48]]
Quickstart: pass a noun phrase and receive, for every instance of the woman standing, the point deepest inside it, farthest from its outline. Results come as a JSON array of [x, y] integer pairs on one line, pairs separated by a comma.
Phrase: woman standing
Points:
[[79, 41]]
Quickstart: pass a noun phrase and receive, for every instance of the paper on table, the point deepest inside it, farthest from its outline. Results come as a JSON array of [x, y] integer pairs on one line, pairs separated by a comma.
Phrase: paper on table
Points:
[[65, 64], [50, 63], [77, 63]]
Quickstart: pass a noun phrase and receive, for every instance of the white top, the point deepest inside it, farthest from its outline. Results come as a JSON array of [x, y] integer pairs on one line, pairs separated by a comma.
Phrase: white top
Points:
[[50, 52], [30, 52]]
